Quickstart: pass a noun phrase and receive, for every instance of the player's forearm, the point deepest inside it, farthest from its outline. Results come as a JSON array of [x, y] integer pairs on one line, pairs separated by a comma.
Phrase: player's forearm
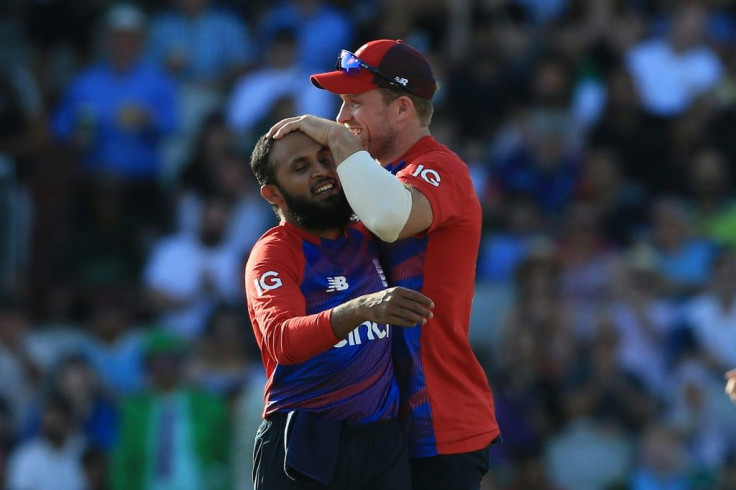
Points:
[[342, 145], [347, 316], [378, 198], [297, 339]]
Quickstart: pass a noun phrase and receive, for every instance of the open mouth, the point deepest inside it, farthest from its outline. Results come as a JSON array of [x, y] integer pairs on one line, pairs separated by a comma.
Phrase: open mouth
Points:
[[324, 188]]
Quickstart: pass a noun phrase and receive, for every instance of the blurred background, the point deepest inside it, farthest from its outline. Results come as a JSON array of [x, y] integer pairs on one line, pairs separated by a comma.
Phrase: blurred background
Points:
[[601, 136]]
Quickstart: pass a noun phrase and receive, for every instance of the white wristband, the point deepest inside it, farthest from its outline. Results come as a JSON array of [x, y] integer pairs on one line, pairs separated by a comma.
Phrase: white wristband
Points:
[[378, 198]]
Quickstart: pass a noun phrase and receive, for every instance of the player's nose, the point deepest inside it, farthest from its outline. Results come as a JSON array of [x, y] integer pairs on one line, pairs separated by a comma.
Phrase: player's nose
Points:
[[344, 115]]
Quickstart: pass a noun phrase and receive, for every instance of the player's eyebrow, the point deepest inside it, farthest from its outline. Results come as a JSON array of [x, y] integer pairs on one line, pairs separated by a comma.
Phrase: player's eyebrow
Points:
[[298, 159]]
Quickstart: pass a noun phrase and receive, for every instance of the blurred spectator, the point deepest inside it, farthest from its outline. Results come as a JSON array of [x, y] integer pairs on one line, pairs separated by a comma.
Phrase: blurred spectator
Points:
[[663, 460], [710, 186], [644, 320], [188, 275], [502, 251], [110, 235], [256, 94], [21, 117], [532, 359], [542, 11], [702, 416], [247, 409], [604, 161], [540, 314], [93, 411], [222, 365], [61, 33], [670, 72], [118, 111], [114, 349], [588, 268], [478, 80], [19, 369], [216, 167], [16, 221], [201, 43], [535, 159], [684, 259], [249, 215], [206, 47], [96, 472], [620, 204], [601, 388], [637, 137], [712, 315], [322, 30], [601, 453], [52, 460], [7, 439], [171, 436], [213, 143]]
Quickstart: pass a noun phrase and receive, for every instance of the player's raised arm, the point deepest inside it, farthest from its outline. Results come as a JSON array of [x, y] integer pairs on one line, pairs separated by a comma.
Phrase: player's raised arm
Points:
[[386, 206]]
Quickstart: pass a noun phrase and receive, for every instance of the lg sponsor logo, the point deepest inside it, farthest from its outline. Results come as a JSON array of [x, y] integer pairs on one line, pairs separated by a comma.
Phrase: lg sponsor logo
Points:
[[268, 281], [428, 174], [373, 331]]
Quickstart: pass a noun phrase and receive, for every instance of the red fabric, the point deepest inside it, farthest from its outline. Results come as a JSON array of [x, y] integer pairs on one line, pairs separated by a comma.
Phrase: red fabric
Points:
[[460, 397], [284, 332]]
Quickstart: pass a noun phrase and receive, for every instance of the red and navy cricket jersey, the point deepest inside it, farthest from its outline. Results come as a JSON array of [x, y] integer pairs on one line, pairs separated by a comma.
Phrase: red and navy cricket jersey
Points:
[[293, 279], [445, 397]]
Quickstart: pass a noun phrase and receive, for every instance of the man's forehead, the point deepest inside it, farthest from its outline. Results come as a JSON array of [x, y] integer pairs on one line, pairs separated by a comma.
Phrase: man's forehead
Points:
[[294, 146], [368, 94]]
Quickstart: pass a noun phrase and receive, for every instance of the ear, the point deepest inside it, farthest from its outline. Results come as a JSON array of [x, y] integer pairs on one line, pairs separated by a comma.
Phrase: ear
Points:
[[404, 107], [272, 194]]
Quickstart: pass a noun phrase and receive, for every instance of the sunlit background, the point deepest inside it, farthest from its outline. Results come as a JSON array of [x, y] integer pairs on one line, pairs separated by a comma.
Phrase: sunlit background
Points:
[[601, 136]]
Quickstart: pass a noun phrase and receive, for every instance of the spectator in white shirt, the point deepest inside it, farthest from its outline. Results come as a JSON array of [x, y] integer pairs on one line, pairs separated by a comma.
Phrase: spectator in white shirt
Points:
[[670, 73], [51, 461], [188, 275], [712, 315], [258, 93], [643, 318]]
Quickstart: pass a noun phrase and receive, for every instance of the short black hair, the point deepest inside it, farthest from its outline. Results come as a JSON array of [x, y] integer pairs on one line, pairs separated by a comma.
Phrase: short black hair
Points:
[[259, 161]]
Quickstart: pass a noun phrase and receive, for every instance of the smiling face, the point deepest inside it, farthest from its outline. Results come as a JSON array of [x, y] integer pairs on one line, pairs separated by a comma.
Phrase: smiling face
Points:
[[370, 119], [306, 188]]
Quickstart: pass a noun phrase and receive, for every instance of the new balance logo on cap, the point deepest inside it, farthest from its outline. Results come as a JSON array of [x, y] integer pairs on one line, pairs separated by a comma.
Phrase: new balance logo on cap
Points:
[[337, 283]]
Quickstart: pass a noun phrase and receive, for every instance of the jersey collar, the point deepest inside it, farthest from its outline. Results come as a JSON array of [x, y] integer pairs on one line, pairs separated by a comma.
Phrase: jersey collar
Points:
[[422, 145], [318, 240]]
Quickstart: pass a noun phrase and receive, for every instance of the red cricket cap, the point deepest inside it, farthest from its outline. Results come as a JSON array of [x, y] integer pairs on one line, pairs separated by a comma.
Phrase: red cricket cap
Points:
[[395, 59]]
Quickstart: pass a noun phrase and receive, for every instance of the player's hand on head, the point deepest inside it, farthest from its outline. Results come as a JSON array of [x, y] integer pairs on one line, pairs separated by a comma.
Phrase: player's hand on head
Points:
[[324, 131], [317, 128], [399, 306]]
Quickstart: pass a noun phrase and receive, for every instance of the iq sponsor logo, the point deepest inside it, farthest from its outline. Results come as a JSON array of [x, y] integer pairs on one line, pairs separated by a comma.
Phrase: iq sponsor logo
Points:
[[268, 281], [427, 174]]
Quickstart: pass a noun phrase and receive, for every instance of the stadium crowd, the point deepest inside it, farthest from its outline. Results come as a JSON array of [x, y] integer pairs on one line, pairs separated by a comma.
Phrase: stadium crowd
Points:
[[596, 131]]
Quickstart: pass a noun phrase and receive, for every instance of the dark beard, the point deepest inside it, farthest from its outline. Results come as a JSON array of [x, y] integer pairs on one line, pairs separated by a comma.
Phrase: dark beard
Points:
[[333, 214]]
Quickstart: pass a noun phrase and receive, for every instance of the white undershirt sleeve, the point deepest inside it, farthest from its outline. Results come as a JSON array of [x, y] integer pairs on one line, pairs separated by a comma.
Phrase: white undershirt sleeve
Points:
[[378, 198]]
